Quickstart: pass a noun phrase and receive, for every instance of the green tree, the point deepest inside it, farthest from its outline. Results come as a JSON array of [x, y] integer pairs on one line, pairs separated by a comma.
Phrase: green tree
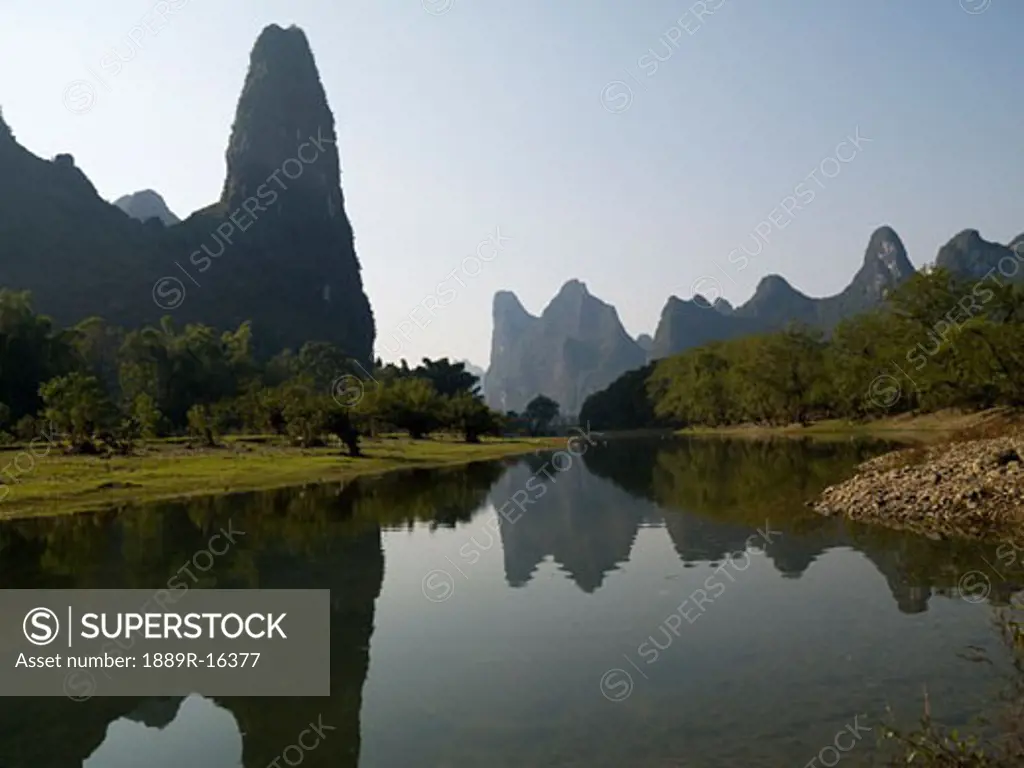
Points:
[[196, 366], [147, 416], [339, 422], [31, 353], [411, 404], [303, 412], [540, 412], [200, 425], [96, 344], [323, 363], [26, 428], [447, 378], [624, 404], [468, 414], [77, 406]]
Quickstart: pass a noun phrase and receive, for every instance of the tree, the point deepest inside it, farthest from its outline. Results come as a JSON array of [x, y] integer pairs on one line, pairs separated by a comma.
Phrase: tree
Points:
[[338, 421], [261, 409], [303, 412], [323, 363], [200, 424], [540, 412], [448, 379], [147, 416], [624, 404], [31, 353], [309, 413], [470, 415], [411, 404], [96, 344], [77, 406], [197, 366], [26, 428]]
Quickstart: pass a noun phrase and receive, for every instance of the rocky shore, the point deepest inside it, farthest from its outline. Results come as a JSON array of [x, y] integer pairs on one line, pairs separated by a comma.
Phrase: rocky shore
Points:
[[970, 489]]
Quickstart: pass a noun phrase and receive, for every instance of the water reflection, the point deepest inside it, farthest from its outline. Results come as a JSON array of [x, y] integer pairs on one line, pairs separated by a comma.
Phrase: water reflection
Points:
[[324, 537], [171, 733], [585, 523], [621, 528], [711, 496]]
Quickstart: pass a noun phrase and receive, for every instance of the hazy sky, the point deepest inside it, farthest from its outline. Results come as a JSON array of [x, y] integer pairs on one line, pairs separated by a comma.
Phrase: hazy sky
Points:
[[457, 117]]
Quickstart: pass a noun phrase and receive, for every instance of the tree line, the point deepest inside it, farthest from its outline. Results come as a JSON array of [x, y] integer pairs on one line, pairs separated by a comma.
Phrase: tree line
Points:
[[937, 342], [102, 386]]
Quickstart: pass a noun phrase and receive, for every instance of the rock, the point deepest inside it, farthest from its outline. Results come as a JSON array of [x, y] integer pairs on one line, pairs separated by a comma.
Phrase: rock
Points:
[[968, 488], [1006, 456]]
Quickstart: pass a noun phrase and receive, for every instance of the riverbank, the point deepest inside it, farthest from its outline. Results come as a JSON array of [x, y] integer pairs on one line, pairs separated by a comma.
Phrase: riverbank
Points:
[[970, 485], [47, 482], [907, 428]]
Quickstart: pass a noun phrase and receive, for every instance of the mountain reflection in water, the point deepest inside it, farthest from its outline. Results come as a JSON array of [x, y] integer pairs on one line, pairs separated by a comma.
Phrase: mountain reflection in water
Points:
[[506, 672]]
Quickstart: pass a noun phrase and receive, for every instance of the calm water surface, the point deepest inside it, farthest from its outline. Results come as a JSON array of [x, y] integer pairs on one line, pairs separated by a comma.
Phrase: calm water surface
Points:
[[656, 603]]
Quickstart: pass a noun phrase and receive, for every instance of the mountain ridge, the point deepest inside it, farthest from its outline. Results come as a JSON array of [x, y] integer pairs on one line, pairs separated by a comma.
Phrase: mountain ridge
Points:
[[519, 338], [576, 346]]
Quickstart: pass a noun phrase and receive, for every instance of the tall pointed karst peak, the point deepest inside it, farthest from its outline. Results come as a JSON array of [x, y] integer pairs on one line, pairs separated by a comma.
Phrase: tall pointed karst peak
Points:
[[574, 287], [886, 247], [283, 170], [571, 297], [583, 314], [283, 135], [507, 304], [885, 266]]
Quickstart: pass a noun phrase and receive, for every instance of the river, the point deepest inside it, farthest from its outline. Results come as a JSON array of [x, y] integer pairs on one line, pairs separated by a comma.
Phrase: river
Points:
[[651, 603]]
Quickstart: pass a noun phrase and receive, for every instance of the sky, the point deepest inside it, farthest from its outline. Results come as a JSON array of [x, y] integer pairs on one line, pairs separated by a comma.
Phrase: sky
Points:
[[631, 145]]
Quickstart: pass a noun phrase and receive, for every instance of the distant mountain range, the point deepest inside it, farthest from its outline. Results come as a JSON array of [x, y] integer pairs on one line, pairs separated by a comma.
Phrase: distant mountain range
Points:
[[276, 248], [146, 205], [578, 345]]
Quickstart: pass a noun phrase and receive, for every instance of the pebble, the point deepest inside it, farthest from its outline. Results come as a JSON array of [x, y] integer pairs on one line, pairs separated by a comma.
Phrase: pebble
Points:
[[970, 489]]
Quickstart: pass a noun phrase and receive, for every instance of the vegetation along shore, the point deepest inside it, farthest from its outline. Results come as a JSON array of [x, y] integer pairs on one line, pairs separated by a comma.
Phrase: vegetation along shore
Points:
[[93, 414], [166, 469], [900, 372]]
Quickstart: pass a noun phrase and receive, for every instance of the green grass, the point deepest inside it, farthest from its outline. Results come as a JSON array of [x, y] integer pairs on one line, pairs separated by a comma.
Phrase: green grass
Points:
[[165, 469], [924, 428]]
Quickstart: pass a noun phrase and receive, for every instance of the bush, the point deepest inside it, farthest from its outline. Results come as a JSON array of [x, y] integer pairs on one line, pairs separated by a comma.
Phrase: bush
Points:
[[200, 425]]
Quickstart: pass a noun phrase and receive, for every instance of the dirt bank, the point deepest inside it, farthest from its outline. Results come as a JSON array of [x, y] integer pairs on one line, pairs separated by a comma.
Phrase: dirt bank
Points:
[[967, 487]]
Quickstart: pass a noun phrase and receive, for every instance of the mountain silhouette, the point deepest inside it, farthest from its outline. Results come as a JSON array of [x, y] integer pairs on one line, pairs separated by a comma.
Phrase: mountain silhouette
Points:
[[276, 248]]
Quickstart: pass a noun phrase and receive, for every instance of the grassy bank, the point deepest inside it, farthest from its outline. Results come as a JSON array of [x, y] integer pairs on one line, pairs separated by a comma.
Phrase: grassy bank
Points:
[[923, 428], [52, 483]]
